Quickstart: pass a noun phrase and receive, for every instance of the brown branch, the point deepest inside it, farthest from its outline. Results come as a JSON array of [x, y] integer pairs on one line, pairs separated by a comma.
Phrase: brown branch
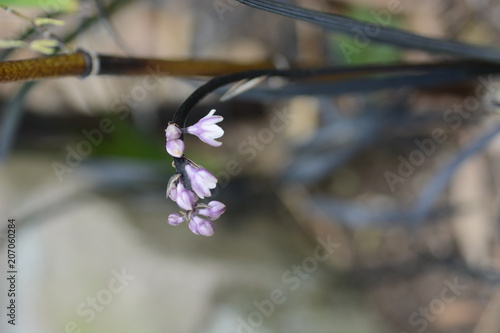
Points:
[[80, 64], [74, 64], [142, 66]]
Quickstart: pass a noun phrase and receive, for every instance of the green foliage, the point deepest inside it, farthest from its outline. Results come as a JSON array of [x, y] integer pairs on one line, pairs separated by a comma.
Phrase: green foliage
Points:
[[355, 49], [126, 141], [47, 5]]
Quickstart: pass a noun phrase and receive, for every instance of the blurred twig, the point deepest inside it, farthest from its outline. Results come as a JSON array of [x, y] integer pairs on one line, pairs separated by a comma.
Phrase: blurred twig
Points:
[[385, 34], [110, 27], [442, 178], [13, 114]]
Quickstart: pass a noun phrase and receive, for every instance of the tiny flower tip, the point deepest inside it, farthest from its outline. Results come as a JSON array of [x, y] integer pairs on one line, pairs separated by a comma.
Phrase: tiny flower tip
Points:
[[214, 143], [175, 219], [212, 118], [175, 147]]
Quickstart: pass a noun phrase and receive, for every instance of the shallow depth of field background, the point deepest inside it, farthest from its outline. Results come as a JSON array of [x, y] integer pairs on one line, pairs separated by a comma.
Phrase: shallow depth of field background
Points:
[[295, 173]]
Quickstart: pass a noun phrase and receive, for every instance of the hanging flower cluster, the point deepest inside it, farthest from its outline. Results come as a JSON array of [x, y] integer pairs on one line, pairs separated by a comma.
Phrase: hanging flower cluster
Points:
[[192, 182]]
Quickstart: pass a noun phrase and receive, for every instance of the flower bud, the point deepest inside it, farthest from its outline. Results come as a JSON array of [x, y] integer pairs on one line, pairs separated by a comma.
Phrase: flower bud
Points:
[[213, 210], [185, 199], [172, 132], [175, 219], [175, 147], [201, 226]]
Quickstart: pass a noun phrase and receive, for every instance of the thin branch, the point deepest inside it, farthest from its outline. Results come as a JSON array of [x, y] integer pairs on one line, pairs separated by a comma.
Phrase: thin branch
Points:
[[110, 28], [438, 183], [81, 63], [383, 34], [36, 27], [12, 115]]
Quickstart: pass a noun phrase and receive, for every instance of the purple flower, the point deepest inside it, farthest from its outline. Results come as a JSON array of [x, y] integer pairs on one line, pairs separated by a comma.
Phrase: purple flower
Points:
[[213, 210], [175, 219], [184, 198], [201, 180], [175, 147], [207, 130], [172, 132], [201, 226]]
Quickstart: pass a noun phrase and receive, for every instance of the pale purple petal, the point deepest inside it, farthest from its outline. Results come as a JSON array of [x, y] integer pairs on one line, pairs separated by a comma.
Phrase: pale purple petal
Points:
[[185, 199], [172, 132], [207, 130], [172, 186], [201, 180], [175, 219], [175, 147], [210, 141], [172, 194], [201, 226], [214, 210]]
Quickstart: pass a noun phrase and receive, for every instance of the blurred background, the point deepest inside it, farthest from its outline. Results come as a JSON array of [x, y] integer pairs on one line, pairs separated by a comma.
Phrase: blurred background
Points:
[[360, 212]]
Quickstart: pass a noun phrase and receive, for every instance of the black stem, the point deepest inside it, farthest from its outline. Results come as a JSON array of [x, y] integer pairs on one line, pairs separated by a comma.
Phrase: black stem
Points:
[[179, 163], [182, 112]]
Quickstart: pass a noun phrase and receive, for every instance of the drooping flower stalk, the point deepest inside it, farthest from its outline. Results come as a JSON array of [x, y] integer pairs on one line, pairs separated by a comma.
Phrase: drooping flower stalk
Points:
[[192, 182], [198, 181]]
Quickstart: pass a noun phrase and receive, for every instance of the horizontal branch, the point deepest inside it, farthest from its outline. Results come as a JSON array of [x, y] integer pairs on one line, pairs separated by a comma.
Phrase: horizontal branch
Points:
[[75, 64], [81, 64]]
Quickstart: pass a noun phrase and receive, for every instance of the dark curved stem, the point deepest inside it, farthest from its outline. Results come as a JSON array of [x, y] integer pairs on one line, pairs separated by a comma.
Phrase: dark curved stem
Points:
[[182, 112]]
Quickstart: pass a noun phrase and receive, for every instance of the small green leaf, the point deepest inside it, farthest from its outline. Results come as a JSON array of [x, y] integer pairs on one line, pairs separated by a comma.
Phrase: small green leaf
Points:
[[46, 5], [45, 46], [11, 43], [47, 21]]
